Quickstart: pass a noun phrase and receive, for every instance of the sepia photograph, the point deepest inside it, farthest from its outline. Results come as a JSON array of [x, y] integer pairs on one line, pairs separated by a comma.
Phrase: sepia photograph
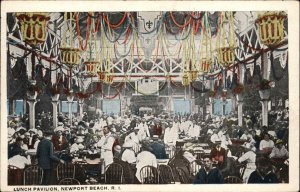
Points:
[[149, 96]]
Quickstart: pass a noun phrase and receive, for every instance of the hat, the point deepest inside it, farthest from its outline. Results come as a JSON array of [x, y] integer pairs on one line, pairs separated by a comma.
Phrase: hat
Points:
[[59, 128], [79, 139], [32, 130], [279, 141], [40, 133], [155, 137], [123, 130], [117, 148]]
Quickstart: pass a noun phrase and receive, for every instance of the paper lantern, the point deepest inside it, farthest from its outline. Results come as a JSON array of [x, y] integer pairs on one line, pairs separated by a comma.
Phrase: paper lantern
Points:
[[33, 27], [70, 56], [271, 28]]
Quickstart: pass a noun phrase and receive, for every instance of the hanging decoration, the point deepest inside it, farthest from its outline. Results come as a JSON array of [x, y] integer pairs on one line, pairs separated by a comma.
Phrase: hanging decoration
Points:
[[225, 45], [190, 70], [206, 57], [92, 63], [69, 53], [149, 23], [271, 27], [33, 27], [104, 69]]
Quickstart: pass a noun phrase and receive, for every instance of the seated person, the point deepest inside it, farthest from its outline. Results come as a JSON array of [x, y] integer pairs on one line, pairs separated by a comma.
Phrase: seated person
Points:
[[77, 145], [158, 148], [279, 151], [218, 154], [214, 137], [128, 154], [208, 174], [15, 148], [266, 145], [144, 158], [19, 160], [263, 173]]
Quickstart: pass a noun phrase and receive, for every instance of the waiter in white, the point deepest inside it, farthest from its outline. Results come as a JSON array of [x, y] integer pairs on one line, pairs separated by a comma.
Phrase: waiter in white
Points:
[[106, 143]]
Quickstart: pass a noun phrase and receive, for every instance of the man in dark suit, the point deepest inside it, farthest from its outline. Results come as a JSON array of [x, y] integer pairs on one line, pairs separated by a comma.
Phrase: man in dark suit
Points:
[[46, 157], [208, 174]]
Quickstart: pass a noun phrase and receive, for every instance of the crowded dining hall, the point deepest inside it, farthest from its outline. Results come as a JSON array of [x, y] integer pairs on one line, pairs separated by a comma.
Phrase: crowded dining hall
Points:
[[160, 97]]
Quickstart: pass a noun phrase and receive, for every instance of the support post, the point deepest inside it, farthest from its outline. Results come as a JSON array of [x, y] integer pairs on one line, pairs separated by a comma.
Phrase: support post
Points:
[[80, 103], [264, 95], [70, 101], [31, 100], [55, 101], [240, 102]]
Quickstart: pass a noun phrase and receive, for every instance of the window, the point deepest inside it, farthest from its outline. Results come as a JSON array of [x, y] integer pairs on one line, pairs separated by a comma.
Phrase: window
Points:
[[111, 106], [65, 107], [181, 106]]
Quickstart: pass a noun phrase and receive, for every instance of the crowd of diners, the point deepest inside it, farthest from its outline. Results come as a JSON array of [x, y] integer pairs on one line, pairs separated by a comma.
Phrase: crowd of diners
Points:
[[144, 140]]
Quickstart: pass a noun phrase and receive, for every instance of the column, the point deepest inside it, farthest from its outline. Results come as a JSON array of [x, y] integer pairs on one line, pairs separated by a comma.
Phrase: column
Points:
[[70, 101], [240, 102], [264, 95], [211, 105], [223, 105], [80, 103], [55, 101], [31, 100]]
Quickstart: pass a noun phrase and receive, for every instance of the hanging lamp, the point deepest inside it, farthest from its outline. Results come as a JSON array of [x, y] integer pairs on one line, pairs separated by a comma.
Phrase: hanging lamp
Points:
[[271, 27], [33, 27]]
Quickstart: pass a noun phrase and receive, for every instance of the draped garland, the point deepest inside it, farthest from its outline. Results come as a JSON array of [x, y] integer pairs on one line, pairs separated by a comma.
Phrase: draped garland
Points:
[[183, 28]]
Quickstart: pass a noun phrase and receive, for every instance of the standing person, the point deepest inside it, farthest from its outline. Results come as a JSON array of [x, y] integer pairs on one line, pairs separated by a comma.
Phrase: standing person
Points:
[[249, 157], [46, 157], [157, 129], [106, 144], [208, 174]]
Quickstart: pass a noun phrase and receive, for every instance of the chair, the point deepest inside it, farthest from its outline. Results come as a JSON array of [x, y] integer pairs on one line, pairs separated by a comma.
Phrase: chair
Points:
[[14, 175], [170, 151], [233, 180], [66, 170], [114, 174], [194, 167], [166, 174], [183, 176], [80, 171], [69, 181], [149, 175], [33, 175]]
